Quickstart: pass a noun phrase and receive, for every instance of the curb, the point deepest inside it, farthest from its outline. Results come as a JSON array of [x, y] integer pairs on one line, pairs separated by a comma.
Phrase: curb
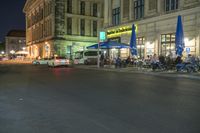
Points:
[[160, 74]]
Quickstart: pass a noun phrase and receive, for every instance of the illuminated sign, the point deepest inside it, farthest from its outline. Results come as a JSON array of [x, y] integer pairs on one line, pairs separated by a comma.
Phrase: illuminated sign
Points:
[[118, 31], [102, 36]]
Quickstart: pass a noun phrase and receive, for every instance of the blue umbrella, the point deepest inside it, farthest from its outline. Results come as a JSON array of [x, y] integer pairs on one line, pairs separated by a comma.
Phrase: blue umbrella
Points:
[[113, 44], [95, 46], [179, 40], [133, 45], [109, 45]]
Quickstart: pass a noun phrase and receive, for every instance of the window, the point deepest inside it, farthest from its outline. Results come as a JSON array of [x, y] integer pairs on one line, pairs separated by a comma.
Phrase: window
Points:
[[69, 6], [69, 26], [116, 16], [94, 10], [82, 27], [152, 4], [95, 28], [140, 46], [91, 53], [139, 9], [82, 8], [171, 5], [167, 43]]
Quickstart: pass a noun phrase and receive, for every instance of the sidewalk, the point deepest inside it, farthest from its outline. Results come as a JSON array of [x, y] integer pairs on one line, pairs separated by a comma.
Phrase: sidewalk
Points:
[[146, 71], [16, 62]]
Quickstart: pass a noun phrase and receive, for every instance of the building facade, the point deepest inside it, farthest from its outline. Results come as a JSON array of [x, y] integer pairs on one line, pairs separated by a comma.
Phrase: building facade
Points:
[[61, 27], [155, 22], [15, 41]]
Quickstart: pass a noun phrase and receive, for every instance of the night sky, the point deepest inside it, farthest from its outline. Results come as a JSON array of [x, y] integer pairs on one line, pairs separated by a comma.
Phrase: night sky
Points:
[[12, 16]]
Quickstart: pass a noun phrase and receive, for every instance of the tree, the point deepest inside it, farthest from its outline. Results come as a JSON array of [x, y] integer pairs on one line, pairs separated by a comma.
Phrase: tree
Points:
[[2, 46]]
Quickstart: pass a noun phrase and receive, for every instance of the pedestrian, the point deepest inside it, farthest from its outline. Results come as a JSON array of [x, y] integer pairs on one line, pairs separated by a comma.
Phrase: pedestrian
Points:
[[102, 60]]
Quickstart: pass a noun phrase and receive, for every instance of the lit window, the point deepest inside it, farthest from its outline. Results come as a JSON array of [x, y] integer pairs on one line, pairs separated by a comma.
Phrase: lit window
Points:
[[140, 46], [167, 43]]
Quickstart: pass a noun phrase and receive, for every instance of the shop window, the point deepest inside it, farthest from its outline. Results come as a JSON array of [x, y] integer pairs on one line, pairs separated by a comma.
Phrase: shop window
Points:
[[140, 46], [139, 9], [167, 44], [116, 16], [171, 5]]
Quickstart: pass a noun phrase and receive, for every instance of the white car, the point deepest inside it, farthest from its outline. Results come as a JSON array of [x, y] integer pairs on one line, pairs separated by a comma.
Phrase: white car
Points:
[[41, 61], [58, 61]]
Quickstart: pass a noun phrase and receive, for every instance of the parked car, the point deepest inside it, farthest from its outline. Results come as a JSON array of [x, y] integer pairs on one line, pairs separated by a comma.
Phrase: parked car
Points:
[[43, 61], [4, 58], [58, 61]]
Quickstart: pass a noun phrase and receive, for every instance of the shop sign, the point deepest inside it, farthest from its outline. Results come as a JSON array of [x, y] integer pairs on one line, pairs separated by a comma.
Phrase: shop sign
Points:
[[120, 30], [102, 36]]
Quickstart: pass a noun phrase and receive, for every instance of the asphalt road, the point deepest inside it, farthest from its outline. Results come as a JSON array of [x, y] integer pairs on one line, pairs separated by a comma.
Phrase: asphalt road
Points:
[[37, 99]]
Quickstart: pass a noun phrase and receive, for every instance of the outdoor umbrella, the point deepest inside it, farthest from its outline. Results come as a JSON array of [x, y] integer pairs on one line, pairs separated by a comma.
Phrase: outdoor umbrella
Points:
[[95, 46], [133, 45], [113, 44], [179, 40], [109, 45]]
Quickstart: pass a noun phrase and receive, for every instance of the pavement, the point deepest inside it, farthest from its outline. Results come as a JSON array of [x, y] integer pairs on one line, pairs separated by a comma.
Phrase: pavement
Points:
[[170, 73], [111, 68], [41, 99], [17, 61]]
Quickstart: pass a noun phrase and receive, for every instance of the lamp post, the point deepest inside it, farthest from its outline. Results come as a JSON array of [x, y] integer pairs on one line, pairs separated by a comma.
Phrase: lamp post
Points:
[[102, 38]]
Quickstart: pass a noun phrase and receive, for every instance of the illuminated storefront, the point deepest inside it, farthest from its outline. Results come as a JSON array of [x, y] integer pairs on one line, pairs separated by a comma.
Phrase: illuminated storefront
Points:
[[155, 26]]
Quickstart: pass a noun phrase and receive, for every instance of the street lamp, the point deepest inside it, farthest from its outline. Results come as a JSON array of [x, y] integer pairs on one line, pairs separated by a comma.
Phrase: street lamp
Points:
[[12, 51]]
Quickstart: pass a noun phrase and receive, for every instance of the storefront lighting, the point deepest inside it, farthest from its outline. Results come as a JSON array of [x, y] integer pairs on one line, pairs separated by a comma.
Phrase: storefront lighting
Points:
[[147, 43], [186, 40], [12, 51], [119, 31]]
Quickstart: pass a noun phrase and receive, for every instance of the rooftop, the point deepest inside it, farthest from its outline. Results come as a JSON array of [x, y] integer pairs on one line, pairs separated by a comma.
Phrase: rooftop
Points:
[[16, 33]]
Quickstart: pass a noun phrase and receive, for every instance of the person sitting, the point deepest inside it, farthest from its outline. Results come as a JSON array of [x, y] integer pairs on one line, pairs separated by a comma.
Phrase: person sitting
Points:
[[154, 61], [128, 60], [118, 62]]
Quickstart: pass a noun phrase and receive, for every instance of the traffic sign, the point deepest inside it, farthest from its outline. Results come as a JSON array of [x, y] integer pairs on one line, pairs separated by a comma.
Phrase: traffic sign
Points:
[[188, 50]]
